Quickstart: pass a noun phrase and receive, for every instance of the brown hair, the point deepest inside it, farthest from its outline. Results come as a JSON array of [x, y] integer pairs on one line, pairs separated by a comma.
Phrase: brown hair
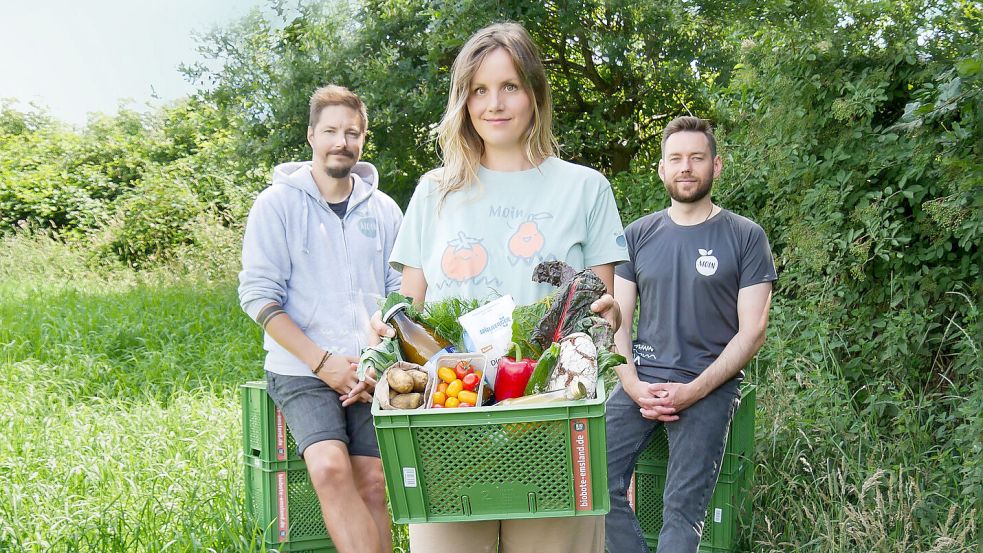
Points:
[[461, 146], [334, 95], [690, 124]]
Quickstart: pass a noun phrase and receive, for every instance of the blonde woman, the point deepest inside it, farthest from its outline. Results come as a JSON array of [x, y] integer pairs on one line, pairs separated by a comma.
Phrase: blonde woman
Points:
[[476, 227]]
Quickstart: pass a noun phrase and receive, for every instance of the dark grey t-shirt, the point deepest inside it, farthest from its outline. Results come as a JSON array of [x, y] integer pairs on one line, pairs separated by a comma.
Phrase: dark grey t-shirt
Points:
[[688, 278]]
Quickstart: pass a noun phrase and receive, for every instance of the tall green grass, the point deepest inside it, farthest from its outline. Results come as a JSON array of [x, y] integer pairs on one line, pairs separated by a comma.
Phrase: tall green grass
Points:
[[120, 423], [118, 406]]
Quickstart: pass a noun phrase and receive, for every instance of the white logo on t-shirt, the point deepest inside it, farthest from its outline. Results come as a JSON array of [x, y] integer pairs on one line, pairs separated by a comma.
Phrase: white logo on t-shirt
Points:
[[706, 264]]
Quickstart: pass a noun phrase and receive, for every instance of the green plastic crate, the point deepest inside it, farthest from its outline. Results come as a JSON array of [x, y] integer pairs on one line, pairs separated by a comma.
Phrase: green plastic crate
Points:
[[720, 529], [488, 463], [281, 501], [279, 495], [740, 443], [264, 431]]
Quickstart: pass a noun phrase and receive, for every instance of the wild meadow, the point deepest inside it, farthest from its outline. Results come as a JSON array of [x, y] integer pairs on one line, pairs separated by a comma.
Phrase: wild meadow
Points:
[[121, 424]]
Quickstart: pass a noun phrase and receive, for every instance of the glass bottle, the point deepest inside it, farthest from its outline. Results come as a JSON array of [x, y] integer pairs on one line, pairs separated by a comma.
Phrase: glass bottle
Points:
[[418, 343]]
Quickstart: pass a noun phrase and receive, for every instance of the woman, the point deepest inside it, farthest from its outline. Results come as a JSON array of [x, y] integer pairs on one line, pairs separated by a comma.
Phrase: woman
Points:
[[475, 228]]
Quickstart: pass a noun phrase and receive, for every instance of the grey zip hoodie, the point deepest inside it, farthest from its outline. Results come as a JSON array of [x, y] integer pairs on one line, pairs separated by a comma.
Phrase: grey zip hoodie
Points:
[[327, 272]]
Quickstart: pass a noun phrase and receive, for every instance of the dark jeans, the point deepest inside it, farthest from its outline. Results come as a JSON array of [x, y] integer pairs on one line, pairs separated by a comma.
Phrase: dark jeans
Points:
[[696, 450]]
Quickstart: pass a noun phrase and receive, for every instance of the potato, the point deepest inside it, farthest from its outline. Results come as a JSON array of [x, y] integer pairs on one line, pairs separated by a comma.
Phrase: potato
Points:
[[399, 380], [419, 380], [407, 401]]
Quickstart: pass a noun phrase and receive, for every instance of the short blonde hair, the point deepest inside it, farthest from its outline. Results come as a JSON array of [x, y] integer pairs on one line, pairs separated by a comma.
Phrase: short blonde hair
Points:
[[461, 146], [334, 95]]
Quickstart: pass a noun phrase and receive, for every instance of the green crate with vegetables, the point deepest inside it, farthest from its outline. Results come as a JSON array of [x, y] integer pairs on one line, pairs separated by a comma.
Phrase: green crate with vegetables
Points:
[[512, 421]]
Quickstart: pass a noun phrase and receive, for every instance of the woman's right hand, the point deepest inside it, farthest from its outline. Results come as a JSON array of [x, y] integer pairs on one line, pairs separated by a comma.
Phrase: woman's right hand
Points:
[[380, 329]]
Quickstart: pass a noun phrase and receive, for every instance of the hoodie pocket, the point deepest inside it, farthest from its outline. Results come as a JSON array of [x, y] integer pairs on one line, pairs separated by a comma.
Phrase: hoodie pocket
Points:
[[307, 316], [330, 323]]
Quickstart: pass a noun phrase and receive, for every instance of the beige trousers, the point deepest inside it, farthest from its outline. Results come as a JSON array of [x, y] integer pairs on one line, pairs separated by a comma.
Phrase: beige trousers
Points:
[[532, 535]]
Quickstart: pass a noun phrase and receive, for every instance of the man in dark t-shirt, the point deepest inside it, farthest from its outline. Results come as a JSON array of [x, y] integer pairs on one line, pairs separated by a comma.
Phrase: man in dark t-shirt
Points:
[[702, 277]]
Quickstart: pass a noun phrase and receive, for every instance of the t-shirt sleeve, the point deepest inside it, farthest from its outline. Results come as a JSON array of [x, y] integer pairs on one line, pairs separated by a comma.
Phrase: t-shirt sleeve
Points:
[[407, 250], [626, 270], [605, 234], [757, 263]]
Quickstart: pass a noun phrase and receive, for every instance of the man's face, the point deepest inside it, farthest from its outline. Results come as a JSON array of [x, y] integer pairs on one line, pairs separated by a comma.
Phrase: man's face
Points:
[[336, 140], [687, 168]]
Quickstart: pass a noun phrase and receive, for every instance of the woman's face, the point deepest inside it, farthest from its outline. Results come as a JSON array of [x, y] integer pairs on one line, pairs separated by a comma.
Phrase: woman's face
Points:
[[498, 104]]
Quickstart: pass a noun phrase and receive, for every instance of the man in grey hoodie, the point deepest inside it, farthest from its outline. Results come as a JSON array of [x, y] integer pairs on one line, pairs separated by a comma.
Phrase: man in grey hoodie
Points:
[[314, 265]]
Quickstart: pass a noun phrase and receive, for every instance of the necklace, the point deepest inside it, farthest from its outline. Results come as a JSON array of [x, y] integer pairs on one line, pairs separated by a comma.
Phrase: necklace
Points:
[[707, 217], [708, 214]]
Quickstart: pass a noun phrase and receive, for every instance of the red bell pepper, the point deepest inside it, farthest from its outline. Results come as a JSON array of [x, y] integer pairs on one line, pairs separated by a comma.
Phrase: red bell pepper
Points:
[[513, 375]]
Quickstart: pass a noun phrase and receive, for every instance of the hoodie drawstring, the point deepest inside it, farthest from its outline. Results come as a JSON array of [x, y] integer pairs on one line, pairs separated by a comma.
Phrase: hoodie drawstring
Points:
[[304, 226]]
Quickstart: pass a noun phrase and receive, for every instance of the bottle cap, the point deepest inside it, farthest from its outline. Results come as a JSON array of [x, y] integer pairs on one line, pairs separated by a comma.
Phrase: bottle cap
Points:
[[576, 390], [392, 311]]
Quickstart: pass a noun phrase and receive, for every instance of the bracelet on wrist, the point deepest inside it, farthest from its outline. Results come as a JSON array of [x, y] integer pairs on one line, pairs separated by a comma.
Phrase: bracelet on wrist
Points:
[[320, 365]]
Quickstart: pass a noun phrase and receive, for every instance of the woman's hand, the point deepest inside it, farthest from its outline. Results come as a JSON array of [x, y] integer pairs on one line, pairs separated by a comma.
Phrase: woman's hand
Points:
[[380, 329], [606, 307]]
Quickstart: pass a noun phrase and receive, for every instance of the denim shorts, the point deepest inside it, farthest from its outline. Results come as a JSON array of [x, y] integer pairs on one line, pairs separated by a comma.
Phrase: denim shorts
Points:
[[314, 414]]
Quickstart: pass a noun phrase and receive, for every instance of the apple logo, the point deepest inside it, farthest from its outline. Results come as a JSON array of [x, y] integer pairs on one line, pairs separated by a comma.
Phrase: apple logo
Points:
[[706, 264]]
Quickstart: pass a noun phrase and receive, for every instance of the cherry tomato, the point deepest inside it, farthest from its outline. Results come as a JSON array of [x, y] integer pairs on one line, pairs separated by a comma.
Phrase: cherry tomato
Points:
[[452, 402], [465, 404], [466, 396], [454, 388], [471, 381], [436, 406], [446, 374], [442, 387], [439, 398], [463, 368]]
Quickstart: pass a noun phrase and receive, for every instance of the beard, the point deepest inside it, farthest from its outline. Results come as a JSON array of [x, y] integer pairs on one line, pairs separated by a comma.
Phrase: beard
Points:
[[343, 170], [701, 191]]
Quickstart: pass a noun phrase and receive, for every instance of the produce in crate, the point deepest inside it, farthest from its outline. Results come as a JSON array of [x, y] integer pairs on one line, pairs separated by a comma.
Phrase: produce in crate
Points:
[[570, 304], [378, 358], [513, 375], [573, 392], [402, 386], [544, 368], [577, 364], [418, 343], [460, 381]]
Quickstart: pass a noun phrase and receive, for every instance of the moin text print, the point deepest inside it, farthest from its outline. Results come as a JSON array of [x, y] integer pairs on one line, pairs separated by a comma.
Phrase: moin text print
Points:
[[706, 264]]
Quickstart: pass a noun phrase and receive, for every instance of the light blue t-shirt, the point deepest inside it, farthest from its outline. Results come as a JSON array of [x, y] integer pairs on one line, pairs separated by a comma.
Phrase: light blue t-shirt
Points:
[[485, 240]]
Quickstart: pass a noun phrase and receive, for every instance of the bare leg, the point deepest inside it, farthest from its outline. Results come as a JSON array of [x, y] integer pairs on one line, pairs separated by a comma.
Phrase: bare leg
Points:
[[346, 516], [371, 484]]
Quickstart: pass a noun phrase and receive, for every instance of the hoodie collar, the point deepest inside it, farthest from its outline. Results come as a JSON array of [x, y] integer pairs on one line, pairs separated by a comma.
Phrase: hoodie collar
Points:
[[297, 174]]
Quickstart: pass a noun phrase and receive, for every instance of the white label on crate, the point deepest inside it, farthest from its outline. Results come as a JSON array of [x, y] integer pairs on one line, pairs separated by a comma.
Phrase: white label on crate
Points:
[[409, 477], [718, 515]]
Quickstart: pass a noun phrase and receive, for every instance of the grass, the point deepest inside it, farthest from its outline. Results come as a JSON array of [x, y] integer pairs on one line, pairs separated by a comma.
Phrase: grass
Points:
[[120, 419]]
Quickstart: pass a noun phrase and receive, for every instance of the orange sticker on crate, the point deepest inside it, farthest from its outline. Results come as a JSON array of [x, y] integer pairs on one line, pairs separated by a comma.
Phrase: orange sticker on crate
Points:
[[281, 506], [580, 446], [281, 436]]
